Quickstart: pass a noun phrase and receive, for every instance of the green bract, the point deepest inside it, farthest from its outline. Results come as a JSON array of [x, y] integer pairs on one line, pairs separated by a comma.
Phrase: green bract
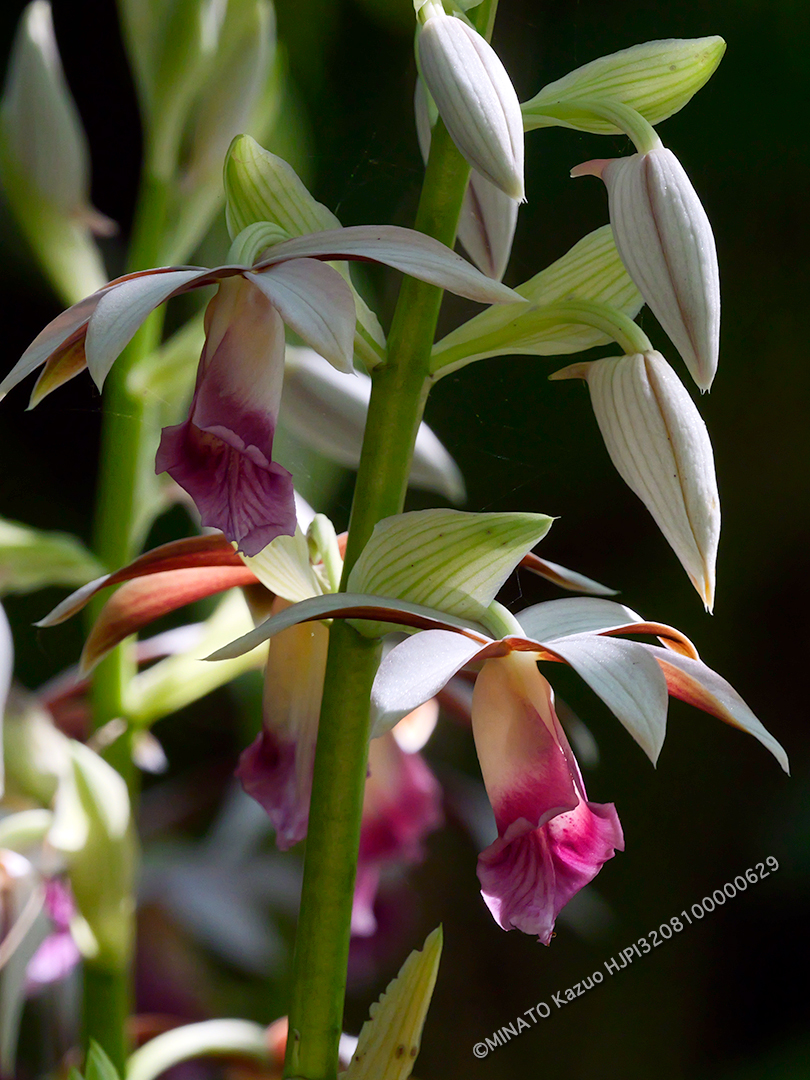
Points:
[[32, 559], [389, 1041], [656, 79], [262, 187], [591, 271], [448, 560]]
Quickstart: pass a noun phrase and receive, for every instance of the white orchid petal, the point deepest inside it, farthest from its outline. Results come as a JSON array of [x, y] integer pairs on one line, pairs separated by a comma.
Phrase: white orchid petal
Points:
[[328, 413], [627, 678], [487, 225], [574, 615], [121, 310], [659, 444], [565, 578], [314, 301], [413, 672], [692, 681], [405, 250], [476, 100], [666, 242]]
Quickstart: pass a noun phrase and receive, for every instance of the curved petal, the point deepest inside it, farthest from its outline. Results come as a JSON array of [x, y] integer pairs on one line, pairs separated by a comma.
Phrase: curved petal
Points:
[[692, 681], [196, 551], [627, 679], [404, 249], [276, 769], [120, 310], [414, 671], [560, 618], [144, 599], [316, 303], [352, 606], [562, 576]]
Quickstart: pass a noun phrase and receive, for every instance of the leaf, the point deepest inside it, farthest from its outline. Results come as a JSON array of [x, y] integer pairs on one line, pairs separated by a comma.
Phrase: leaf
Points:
[[448, 560], [656, 79], [389, 1041], [32, 559], [99, 1066]]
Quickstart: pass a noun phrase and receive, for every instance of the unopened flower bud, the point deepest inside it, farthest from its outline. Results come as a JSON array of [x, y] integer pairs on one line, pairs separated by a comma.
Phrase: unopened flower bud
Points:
[[658, 442], [475, 99], [666, 243]]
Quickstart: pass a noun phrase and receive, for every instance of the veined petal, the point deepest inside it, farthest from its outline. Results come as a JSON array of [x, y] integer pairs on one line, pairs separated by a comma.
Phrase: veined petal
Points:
[[60, 367], [627, 679], [120, 311], [666, 242], [316, 303], [404, 249], [446, 559], [276, 769], [475, 98], [527, 879], [414, 671], [659, 444], [692, 681], [487, 225]]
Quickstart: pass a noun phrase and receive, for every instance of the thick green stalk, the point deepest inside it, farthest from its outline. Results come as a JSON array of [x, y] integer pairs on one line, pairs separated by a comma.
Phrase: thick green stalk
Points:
[[126, 461], [395, 412]]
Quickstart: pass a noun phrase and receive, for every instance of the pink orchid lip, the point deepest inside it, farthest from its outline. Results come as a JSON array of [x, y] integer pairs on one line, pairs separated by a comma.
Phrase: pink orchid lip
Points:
[[551, 840]]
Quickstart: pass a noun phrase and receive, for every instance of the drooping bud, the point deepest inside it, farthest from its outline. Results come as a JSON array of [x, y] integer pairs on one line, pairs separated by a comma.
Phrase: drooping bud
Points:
[[666, 243], [475, 99], [486, 225], [44, 160], [658, 442]]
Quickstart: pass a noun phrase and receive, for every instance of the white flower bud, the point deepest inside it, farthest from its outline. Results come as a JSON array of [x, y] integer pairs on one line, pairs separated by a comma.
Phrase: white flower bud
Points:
[[666, 243], [658, 442], [475, 99]]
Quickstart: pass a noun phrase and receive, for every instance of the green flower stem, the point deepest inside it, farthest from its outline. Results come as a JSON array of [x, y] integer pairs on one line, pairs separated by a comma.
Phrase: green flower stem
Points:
[[399, 392], [126, 466], [612, 322]]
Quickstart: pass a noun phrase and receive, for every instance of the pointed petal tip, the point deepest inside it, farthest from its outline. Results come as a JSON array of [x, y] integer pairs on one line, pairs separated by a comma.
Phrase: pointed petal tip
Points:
[[573, 371], [590, 168]]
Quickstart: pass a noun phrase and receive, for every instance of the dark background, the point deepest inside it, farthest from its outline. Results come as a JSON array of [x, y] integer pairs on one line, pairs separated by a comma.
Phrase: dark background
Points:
[[726, 998]]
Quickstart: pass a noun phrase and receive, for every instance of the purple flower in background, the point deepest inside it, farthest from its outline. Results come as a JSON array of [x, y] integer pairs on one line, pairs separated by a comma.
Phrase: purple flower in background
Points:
[[58, 954]]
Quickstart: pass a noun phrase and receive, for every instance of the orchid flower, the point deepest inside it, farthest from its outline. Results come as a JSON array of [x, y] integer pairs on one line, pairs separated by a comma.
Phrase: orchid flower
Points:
[[551, 839], [222, 455]]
